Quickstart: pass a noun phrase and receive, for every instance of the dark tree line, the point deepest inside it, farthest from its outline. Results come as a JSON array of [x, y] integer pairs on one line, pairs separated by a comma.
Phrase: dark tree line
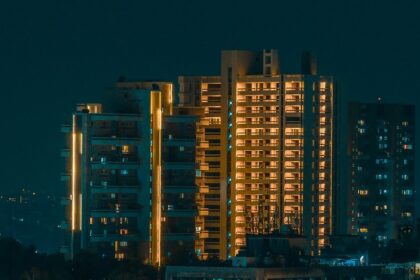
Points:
[[24, 263]]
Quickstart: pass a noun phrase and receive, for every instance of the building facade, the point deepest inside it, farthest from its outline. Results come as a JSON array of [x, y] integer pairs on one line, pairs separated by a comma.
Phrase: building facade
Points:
[[382, 175], [179, 186], [114, 170], [270, 159]]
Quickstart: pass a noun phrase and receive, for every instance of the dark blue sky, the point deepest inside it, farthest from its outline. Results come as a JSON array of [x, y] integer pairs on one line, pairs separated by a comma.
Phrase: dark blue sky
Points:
[[54, 54]]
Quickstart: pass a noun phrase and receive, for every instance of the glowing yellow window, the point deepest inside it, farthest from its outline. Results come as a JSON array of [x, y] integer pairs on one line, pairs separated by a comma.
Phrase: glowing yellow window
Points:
[[125, 149], [363, 192], [363, 229]]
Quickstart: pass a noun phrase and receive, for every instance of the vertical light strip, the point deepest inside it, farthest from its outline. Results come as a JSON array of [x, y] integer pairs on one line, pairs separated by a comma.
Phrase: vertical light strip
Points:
[[73, 177], [81, 143], [156, 128], [170, 94], [80, 211], [159, 182], [332, 146]]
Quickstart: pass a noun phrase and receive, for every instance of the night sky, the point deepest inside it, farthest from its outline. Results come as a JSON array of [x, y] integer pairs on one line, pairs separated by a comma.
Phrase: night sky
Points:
[[54, 54]]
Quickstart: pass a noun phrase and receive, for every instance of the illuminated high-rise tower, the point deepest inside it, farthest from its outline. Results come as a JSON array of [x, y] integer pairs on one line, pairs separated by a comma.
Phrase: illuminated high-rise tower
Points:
[[270, 160]]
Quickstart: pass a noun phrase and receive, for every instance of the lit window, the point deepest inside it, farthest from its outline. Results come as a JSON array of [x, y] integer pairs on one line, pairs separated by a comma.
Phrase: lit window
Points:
[[119, 256], [407, 192], [381, 238], [408, 147], [123, 243], [383, 191], [125, 149], [363, 229], [363, 192]]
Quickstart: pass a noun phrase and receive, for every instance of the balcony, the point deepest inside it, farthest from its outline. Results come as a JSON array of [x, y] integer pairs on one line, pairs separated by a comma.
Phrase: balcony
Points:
[[211, 102], [257, 135], [114, 237], [203, 166], [257, 144], [263, 122], [110, 213], [250, 113], [203, 145], [260, 156], [179, 236], [180, 213], [180, 189], [204, 212], [246, 168], [114, 189], [114, 139], [204, 189], [258, 102], [259, 91], [203, 234], [113, 162], [127, 210]]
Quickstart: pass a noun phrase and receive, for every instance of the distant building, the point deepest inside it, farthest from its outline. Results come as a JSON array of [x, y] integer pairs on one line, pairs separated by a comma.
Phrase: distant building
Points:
[[113, 172], [271, 151], [382, 176]]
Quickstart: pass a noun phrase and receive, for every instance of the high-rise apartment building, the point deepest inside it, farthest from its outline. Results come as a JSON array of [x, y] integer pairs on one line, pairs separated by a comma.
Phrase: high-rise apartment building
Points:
[[382, 175], [114, 168], [179, 188], [270, 159]]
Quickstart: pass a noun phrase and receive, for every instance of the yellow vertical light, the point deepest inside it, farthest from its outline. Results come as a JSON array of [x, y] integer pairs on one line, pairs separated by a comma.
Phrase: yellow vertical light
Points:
[[170, 94], [81, 143], [156, 117], [73, 177], [159, 181], [80, 211]]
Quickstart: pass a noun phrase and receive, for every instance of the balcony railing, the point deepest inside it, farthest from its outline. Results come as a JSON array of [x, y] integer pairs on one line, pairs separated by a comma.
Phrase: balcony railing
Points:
[[257, 122], [256, 133]]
